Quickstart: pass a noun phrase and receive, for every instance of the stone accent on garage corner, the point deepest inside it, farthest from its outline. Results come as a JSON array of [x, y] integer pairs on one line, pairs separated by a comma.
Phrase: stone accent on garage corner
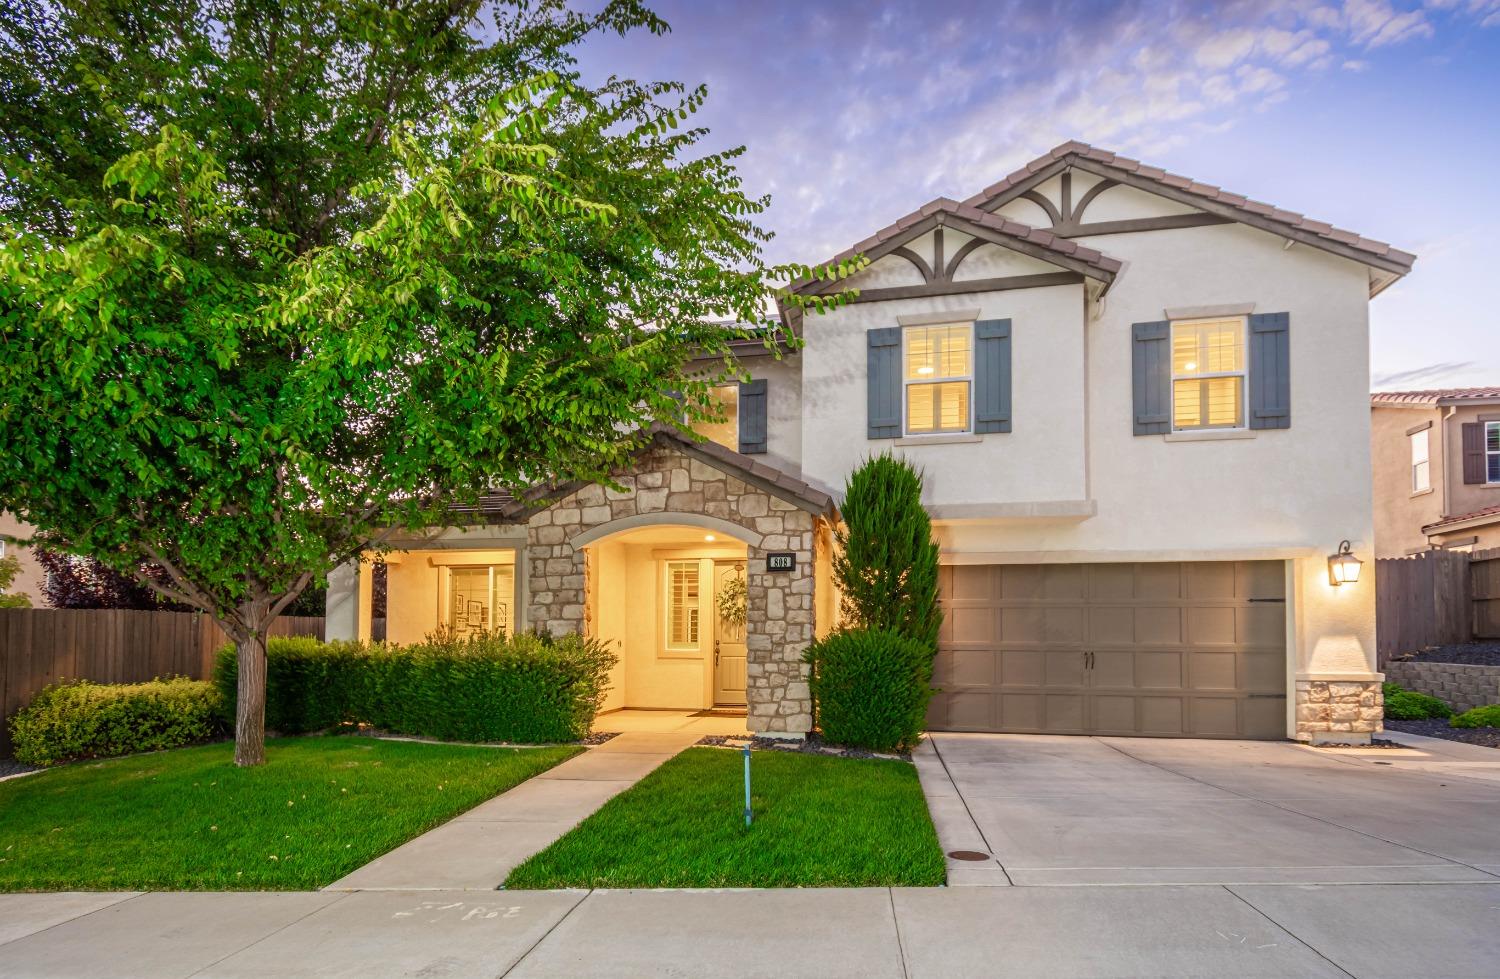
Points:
[[666, 479], [1339, 711], [1459, 685]]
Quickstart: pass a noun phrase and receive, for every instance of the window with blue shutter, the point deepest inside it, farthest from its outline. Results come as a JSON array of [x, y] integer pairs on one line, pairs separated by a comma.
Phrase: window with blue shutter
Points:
[[1151, 377], [992, 376], [752, 412], [1270, 371], [883, 380]]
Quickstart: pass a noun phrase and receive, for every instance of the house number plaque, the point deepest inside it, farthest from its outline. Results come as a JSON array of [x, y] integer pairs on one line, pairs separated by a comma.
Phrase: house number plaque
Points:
[[781, 561]]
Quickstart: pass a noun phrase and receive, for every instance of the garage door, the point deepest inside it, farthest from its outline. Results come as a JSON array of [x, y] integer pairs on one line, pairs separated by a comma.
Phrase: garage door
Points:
[[1165, 650]]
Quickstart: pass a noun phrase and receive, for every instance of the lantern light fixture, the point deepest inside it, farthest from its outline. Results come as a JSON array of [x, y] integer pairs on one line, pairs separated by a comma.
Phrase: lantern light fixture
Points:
[[1343, 567]]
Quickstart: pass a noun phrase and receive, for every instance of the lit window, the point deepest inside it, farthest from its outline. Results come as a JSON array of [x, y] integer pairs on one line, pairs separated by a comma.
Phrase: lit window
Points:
[[1208, 374], [1421, 474], [939, 373], [682, 604], [479, 599], [726, 432], [1492, 452]]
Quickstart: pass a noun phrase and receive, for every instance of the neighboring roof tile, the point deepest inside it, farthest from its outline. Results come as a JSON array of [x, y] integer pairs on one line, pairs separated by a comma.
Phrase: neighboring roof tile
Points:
[[1489, 511], [1073, 150], [1434, 396]]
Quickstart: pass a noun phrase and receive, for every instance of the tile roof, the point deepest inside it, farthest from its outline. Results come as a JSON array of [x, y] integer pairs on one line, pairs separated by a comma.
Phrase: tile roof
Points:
[[1489, 511], [1074, 152], [1065, 248], [1434, 396]]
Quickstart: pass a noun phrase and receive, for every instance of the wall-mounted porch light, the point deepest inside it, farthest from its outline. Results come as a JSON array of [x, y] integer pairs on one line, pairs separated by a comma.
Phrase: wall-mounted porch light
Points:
[[1343, 567]]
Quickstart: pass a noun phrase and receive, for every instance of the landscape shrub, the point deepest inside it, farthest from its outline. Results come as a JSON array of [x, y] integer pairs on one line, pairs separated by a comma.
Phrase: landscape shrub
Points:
[[82, 719], [1478, 717], [870, 687], [1408, 705], [527, 688]]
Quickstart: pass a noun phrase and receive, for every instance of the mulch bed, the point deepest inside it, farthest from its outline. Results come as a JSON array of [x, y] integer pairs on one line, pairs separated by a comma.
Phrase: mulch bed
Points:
[[812, 745], [9, 766], [1487, 737], [1485, 652], [599, 737], [1374, 743]]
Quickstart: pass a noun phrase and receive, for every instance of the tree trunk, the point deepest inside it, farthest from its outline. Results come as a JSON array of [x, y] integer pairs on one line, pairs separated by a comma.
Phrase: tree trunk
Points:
[[250, 702]]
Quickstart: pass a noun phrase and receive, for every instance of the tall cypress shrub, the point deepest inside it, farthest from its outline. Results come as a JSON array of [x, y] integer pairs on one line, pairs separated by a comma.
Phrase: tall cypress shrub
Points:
[[886, 561]]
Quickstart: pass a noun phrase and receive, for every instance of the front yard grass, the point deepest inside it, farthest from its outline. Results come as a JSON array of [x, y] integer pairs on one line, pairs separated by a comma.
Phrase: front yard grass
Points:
[[819, 822], [189, 820]]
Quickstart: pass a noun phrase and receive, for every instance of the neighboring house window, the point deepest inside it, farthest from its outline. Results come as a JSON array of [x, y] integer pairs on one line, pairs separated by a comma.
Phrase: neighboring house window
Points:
[[1492, 452], [682, 604], [1208, 374], [939, 375], [726, 432], [479, 599], [1421, 475]]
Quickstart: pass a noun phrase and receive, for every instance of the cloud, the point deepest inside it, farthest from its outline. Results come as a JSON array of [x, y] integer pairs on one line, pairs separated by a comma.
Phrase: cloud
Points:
[[1427, 374], [1354, 64]]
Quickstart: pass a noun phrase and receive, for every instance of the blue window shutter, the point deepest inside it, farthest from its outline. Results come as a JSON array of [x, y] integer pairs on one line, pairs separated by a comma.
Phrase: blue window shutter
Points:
[[1151, 377], [992, 376], [753, 416], [884, 381], [1270, 371]]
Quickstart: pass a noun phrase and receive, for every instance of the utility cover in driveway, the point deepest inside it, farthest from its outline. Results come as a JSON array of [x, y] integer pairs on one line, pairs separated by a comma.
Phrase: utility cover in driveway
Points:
[[1154, 649]]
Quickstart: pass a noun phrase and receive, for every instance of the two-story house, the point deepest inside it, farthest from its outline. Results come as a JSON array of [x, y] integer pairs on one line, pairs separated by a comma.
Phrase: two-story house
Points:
[[1140, 405], [1436, 459]]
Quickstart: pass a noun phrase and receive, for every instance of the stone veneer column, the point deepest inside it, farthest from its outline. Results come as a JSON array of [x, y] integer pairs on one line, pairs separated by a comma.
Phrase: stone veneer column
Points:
[[1344, 711], [779, 607]]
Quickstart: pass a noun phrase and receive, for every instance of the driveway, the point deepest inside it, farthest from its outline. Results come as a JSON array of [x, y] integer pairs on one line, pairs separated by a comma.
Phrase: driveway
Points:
[[1081, 810]]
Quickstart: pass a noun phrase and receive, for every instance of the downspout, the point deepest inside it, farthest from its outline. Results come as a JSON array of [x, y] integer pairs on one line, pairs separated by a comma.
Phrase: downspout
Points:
[[1447, 509]]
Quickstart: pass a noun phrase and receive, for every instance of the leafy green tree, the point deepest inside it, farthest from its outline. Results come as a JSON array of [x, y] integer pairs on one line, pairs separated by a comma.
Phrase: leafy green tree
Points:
[[278, 280], [10, 569], [886, 561]]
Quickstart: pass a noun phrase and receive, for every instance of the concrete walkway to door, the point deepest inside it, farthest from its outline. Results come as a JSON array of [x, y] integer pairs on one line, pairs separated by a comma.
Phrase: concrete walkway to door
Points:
[[477, 850], [1052, 810]]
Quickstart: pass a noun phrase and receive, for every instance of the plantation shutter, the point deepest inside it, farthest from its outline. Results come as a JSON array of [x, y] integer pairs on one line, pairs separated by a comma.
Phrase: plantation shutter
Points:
[[1270, 378], [1151, 377], [753, 416], [992, 376], [1472, 439], [883, 377]]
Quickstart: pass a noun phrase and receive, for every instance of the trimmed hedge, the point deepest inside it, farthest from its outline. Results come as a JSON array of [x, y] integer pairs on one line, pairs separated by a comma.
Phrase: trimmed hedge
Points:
[[1409, 705], [67, 721], [870, 688], [525, 689], [1478, 717]]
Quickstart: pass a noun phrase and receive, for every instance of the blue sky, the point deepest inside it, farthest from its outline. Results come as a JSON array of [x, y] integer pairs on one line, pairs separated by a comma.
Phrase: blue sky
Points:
[[1377, 116]]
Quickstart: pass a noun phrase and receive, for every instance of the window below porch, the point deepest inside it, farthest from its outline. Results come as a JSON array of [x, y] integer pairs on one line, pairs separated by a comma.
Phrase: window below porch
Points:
[[479, 599]]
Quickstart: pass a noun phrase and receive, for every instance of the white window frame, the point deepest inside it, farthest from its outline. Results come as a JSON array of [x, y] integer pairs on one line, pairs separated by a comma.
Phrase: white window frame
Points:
[[666, 605], [1488, 452], [1421, 468], [1243, 373], [907, 382]]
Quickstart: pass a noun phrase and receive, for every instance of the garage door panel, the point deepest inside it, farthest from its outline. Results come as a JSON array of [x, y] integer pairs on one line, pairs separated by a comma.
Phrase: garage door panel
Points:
[[1164, 649]]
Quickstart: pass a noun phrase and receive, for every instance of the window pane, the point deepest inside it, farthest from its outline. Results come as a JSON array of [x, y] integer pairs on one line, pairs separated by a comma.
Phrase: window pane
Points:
[[726, 432], [1493, 475], [1217, 347], [920, 414], [469, 601], [1420, 480], [937, 407], [934, 352], [954, 401], [682, 603], [1223, 401], [1186, 401], [1492, 437]]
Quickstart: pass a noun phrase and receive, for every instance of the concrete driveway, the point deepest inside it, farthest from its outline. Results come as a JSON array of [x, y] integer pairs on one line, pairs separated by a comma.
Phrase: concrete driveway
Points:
[[1080, 810]]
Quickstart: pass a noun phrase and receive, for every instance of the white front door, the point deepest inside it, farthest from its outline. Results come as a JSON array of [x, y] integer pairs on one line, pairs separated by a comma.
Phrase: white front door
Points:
[[729, 633]]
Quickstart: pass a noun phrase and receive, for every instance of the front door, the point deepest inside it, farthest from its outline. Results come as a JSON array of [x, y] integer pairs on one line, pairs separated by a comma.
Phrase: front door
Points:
[[729, 633]]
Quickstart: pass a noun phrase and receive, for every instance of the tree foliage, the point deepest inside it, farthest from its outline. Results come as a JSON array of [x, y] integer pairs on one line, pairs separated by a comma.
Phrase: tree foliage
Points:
[[886, 561], [280, 280], [10, 569]]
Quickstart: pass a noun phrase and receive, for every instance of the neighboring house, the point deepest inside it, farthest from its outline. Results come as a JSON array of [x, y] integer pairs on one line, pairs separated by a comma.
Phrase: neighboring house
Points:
[[13, 535], [1140, 405], [1436, 461]]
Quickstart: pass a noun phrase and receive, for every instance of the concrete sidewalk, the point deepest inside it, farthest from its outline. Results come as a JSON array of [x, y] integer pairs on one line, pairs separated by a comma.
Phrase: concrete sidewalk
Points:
[[1081, 931], [477, 850]]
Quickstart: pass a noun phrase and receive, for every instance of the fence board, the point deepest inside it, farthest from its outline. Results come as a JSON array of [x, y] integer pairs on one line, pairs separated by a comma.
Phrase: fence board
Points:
[[1484, 584], [42, 646], [1423, 600]]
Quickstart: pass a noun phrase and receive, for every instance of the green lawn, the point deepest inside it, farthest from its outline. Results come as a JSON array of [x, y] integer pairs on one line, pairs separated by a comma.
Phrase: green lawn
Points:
[[189, 820], [819, 822]]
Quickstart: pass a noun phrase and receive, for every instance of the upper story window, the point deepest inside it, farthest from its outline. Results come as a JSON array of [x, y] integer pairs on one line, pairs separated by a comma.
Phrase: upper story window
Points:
[[726, 432], [1492, 452], [682, 604], [939, 375], [1208, 374], [1421, 472]]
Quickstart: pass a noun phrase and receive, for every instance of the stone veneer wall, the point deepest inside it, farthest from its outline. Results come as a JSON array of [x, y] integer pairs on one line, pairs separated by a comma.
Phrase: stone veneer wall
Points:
[[1461, 686], [779, 607], [1339, 710]]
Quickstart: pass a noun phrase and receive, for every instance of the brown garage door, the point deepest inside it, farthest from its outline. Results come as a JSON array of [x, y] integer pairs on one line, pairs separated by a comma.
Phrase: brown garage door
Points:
[[1158, 649]]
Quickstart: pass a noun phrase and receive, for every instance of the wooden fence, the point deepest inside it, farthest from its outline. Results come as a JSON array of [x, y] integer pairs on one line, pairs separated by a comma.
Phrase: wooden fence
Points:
[[1435, 598], [42, 646]]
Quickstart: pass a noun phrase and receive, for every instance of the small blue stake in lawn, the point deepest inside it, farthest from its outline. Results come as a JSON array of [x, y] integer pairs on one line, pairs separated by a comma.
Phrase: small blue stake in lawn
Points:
[[747, 786]]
